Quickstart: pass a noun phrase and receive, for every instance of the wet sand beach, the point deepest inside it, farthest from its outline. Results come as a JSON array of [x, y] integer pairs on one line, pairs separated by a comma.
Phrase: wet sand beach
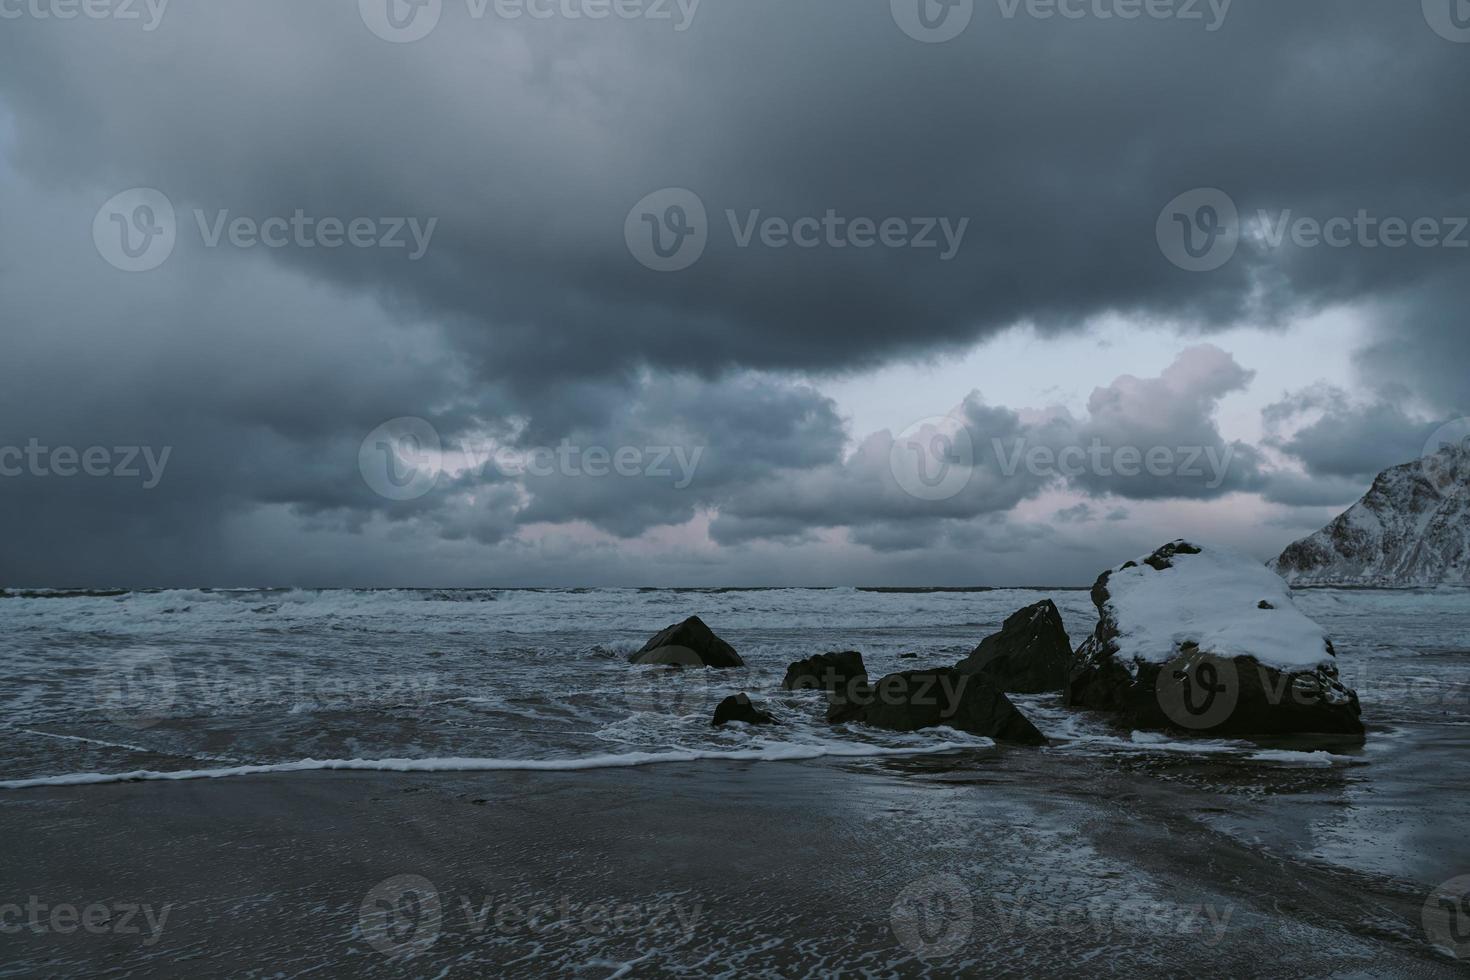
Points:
[[985, 862]]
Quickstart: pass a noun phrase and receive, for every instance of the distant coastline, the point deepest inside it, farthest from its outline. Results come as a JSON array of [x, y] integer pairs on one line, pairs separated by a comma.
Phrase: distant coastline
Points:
[[116, 593]]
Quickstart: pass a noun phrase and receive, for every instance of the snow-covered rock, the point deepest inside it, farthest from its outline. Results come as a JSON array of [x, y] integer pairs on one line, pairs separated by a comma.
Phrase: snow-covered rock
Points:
[[1208, 640], [1412, 529]]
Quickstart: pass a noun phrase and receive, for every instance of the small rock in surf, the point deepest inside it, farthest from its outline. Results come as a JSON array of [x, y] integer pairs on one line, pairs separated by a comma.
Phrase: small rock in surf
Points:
[[738, 707]]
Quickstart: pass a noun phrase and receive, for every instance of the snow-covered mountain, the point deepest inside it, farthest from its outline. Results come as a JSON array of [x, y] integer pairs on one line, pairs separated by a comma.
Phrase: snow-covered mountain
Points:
[[1412, 529]]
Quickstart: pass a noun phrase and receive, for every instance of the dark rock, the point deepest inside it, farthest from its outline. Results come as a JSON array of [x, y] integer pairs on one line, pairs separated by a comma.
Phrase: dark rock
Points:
[[738, 707], [908, 656], [825, 672], [688, 644], [1175, 684], [1032, 653], [909, 701], [1164, 557]]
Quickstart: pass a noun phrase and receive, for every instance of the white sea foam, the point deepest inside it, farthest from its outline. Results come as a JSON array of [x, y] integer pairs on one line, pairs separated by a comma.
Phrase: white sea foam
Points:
[[104, 743], [769, 753], [88, 741], [1080, 732], [1288, 757]]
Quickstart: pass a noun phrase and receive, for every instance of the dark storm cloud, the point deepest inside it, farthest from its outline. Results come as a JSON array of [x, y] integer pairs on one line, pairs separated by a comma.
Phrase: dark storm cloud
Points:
[[258, 385], [1077, 514], [693, 442], [993, 535], [1423, 344], [527, 317], [1340, 441], [1344, 439], [1297, 490], [529, 141]]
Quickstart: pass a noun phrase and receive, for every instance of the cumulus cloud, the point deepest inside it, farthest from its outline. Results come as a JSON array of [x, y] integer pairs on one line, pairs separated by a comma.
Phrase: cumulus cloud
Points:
[[1076, 514], [1143, 438], [1147, 438]]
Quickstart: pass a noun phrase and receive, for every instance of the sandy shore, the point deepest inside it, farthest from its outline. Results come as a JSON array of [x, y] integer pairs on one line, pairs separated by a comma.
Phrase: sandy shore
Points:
[[902, 867]]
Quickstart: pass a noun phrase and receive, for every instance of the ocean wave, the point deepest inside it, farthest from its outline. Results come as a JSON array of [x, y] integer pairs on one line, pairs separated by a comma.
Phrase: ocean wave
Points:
[[615, 649], [626, 760], [125, 746], [1289, 757], [1072, 731]]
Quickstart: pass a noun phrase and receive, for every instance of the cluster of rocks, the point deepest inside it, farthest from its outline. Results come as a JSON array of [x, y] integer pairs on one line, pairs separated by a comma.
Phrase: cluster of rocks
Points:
[[911, 700], [1186, 641]]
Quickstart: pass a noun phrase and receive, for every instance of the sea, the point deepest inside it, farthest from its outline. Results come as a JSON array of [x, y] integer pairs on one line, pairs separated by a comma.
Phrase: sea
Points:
[[143, 687]]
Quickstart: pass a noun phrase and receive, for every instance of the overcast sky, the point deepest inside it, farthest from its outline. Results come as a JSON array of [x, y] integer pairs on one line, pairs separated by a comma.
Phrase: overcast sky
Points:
[[650, 292]]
